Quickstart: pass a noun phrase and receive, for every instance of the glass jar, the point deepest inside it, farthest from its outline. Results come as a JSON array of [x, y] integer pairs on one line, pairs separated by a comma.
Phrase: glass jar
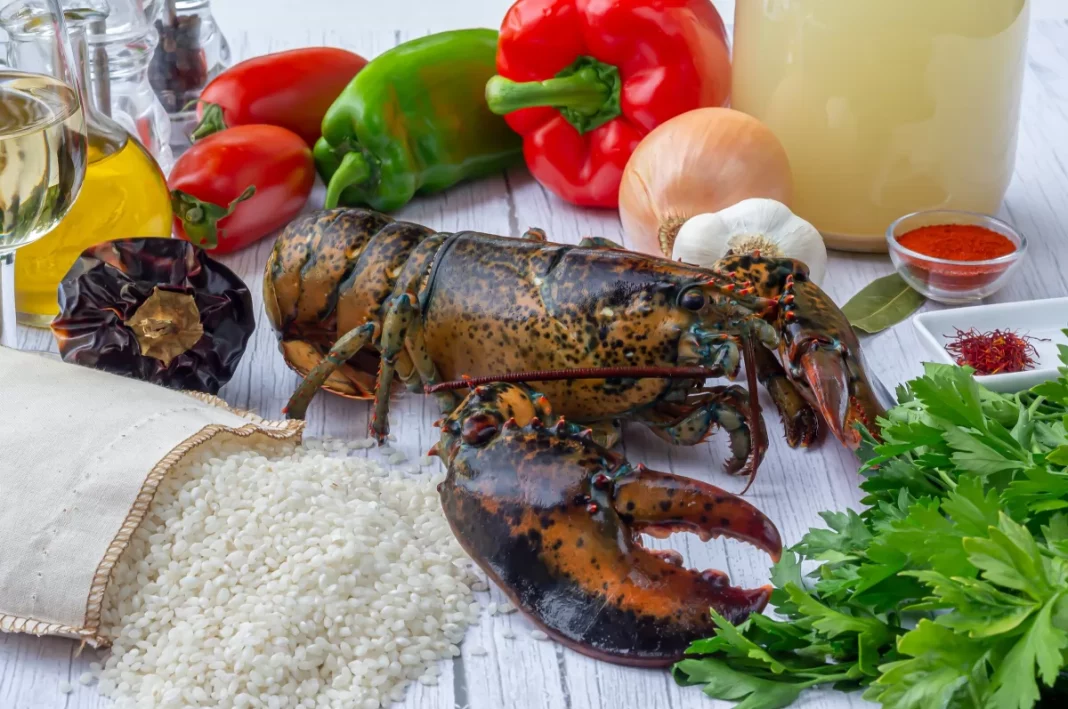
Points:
[[124, 193], [122, 49], [191, 52], [133, 102], [885, 107]]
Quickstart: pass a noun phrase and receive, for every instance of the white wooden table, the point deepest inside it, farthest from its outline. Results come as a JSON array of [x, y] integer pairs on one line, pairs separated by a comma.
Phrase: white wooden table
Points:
[[523, 673]]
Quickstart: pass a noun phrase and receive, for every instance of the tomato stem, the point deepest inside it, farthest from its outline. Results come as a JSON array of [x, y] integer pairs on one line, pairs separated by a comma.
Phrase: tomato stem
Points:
[[200, 219], [211, 121]]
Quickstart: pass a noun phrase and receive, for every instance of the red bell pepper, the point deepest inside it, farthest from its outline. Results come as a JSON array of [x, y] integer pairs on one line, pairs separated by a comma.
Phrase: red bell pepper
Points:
[[584, 80]]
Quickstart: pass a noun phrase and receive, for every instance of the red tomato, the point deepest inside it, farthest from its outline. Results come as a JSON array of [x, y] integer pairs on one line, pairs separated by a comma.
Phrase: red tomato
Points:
[[236, 187], [291, 89]]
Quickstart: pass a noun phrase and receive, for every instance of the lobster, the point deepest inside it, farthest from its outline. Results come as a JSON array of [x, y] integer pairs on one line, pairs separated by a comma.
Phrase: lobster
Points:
[[361, 301]]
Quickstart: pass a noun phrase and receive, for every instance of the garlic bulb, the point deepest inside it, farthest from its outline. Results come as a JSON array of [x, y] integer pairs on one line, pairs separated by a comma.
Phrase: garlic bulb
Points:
[[751, 225]]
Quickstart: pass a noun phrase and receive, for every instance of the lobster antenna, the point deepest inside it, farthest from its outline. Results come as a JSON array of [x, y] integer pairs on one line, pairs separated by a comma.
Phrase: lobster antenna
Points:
[[552, 375]]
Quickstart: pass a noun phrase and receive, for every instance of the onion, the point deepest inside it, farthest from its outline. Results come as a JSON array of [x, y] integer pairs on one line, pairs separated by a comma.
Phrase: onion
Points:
[[697, 163]]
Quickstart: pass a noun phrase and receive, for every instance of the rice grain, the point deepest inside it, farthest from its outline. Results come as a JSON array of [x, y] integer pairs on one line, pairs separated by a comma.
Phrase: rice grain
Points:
[[292, 577]]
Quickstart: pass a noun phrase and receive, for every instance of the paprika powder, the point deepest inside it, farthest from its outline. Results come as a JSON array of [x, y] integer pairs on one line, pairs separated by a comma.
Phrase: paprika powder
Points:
[[966, 243], [957, 242], [583, 81]]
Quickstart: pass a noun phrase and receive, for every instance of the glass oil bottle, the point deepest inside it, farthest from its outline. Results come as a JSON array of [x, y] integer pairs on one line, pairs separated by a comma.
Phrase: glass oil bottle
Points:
[[124, 195]]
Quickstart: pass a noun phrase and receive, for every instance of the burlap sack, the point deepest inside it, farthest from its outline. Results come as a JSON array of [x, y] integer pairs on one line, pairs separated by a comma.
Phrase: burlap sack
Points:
[[81, 455]]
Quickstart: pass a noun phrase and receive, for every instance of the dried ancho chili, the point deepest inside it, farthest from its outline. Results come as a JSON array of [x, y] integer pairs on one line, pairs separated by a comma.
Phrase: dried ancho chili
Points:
[[994, 352], [160, 310]]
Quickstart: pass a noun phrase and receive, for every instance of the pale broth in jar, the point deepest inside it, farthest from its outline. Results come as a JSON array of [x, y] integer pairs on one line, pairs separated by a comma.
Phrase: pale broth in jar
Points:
[[885, 107]]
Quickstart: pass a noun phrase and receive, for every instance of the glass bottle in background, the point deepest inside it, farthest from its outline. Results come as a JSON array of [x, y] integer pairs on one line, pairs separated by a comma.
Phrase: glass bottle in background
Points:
[[124, 195], [191, 52], [42, 136], [123, 47], [885, 108]]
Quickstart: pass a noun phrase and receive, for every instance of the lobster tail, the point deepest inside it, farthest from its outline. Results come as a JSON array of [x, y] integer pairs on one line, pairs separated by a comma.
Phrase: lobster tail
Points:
[[329, 274]]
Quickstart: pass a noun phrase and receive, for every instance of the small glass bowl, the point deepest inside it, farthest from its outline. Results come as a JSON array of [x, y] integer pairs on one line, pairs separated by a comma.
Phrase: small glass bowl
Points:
[[953, 282]]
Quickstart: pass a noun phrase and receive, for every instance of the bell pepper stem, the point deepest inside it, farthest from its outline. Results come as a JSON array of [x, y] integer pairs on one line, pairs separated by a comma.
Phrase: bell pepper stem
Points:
[[587, 94], [211, 121], [353, 170], [579, 92], [200, 219]]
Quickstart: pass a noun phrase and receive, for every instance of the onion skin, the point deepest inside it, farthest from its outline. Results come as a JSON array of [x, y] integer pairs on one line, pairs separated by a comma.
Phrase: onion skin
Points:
[[699, 162]]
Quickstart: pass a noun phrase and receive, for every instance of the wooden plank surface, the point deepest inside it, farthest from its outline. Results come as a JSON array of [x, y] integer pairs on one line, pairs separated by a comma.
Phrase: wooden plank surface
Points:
[[516, 670]]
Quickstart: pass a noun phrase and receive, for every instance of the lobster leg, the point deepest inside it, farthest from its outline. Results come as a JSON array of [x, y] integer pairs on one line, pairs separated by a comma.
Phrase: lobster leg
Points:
[[800, 420], [346, 347], [691, 422], [424, 366], [399, 317], [403, 327]]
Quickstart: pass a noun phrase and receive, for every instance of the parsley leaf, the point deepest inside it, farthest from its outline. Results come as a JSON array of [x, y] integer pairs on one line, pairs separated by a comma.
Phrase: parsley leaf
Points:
[[949, 591], [723, 682], [1042, 643]]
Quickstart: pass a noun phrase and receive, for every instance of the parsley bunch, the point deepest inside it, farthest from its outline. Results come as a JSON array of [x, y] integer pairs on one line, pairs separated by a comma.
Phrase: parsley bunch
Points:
[[950, 590]]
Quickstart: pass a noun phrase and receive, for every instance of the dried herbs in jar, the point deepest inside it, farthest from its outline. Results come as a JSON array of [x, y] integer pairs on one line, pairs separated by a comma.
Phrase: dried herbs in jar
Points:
[[179, 68], [160, 310]]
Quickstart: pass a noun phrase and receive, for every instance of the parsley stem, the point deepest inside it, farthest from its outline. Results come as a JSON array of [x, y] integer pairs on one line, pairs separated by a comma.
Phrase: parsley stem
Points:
[[824, 680]]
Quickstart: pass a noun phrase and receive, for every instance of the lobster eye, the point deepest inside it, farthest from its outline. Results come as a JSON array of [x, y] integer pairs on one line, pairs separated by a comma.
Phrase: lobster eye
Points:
[[693, 299]]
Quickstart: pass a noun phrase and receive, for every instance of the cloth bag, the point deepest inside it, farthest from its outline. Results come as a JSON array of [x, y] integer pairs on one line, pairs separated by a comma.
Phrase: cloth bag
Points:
[[82, 453]]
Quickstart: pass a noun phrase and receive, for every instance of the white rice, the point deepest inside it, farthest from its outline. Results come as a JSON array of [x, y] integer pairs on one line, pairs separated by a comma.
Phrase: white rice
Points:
[[296, 578]]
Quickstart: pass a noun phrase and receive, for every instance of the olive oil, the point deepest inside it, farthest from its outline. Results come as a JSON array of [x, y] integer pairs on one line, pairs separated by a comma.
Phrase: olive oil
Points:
[[124, 195]]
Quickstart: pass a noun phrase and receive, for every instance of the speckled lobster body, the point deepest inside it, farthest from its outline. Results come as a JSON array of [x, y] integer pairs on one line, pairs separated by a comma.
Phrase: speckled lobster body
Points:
[[471, 304], [607, 335], [541, 306]]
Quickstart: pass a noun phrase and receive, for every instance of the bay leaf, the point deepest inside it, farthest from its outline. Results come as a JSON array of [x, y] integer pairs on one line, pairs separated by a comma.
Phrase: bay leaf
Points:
[[882, 303]]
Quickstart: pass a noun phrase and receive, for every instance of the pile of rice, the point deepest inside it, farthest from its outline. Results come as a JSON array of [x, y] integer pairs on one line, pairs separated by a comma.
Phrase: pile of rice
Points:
[[304, 577]]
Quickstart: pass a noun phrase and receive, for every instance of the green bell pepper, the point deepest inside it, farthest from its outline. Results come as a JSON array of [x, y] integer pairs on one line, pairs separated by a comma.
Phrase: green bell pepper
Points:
[[415, 121]]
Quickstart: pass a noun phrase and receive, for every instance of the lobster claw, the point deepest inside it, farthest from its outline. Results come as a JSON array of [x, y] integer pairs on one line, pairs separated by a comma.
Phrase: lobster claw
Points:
[[823, 357], [837, 387], [659, 504], [554, 519]]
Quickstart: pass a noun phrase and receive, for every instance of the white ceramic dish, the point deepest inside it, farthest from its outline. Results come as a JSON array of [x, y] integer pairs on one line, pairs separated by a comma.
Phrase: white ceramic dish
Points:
[[1043, 319]]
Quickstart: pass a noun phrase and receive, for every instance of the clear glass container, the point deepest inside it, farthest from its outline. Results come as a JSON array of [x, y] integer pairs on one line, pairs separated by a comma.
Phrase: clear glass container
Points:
[[191, 52], [43, 143], [123, 48], [133, 102], [124, 193], [954, 282], [885, 107]]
